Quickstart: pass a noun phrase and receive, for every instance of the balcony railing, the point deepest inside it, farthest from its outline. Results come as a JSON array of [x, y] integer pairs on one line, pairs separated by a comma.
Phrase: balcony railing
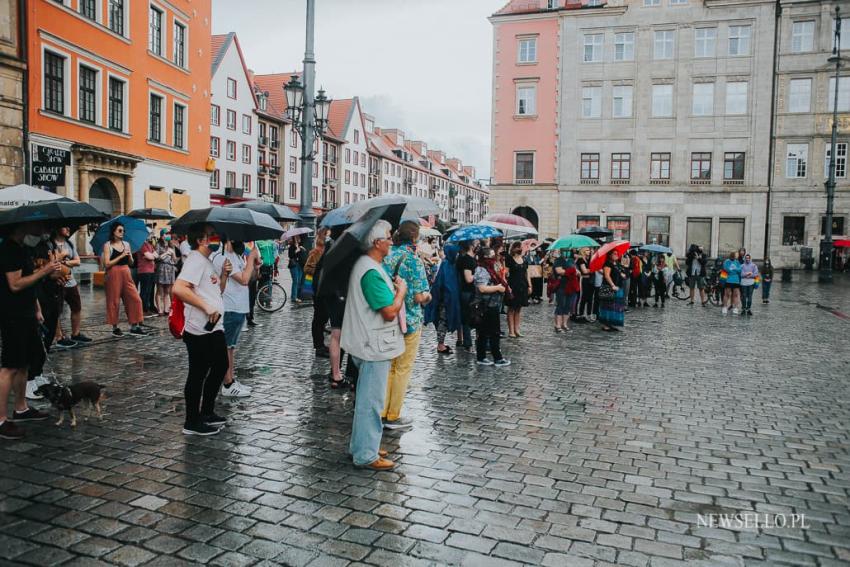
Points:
[[262, 141], [733, 182], [620, 181], [659, 182], [262, 170], [700, 181], [590, 181], [275, 144], [329, 205], [234, 192]]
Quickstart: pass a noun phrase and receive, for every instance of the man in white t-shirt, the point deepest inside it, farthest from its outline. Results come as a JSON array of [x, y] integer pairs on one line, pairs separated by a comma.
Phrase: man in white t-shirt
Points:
[[199, 287], [236, 296]]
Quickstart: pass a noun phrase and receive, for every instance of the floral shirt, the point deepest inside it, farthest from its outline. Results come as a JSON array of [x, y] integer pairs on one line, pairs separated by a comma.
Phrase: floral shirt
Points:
[[412, 271]]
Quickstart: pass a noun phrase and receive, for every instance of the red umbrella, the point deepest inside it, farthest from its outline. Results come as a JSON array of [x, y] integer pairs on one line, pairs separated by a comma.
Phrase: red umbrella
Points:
[[841, 243], [599, 257]]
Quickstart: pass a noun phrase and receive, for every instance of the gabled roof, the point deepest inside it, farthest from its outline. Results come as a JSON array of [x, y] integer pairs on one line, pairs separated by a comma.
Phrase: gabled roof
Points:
[[273, 84], [339, 116], [219, 45]]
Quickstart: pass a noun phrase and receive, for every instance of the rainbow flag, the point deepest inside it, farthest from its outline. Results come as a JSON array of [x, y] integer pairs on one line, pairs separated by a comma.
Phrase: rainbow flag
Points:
[[724, 275], [758, 281]]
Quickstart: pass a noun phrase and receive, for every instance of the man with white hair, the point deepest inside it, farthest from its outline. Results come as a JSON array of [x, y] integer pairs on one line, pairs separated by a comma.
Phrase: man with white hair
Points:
[[371, 334]]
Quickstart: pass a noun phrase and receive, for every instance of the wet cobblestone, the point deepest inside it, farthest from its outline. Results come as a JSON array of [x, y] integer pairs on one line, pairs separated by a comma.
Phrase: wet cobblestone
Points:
[[591, 449]]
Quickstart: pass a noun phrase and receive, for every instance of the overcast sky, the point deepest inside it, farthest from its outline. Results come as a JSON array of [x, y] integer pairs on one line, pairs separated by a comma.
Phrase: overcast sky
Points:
[[423, 66]]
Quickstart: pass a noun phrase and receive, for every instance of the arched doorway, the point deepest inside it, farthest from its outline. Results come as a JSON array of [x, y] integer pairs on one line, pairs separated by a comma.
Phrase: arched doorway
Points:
[[103, 196], [528, 214]]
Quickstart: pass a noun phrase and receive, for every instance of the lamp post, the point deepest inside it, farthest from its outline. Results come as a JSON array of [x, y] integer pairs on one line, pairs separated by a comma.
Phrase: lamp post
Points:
[[825, 266], [309, 116]]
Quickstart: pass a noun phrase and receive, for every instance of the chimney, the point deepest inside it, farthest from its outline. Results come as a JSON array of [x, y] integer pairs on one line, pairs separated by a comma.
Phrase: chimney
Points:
[[396, 135], [419, 147], [438, 156], [377, 131]]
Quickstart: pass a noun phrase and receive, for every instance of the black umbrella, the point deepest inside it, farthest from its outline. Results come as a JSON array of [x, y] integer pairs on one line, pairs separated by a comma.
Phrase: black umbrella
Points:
[[596, 232], [236, 224], [151, 214], [340, 259], [277, 212], [54, 214]]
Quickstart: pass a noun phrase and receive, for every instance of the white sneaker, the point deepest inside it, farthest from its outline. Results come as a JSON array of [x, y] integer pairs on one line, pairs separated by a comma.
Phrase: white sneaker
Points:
[[31, 388], [736, 311], [41, 380], [236, 390], [724, 310]]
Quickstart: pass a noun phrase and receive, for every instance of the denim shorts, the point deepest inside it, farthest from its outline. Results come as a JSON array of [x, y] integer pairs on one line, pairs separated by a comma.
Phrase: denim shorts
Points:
[[233, 323]]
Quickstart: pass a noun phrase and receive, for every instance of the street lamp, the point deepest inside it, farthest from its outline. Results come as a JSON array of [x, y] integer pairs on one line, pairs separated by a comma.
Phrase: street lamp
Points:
[[309, 116], [825, 266]]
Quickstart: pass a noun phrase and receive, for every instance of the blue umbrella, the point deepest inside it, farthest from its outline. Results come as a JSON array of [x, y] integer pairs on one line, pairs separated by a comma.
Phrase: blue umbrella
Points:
[[657, 248], [135, 232], [474, 232]]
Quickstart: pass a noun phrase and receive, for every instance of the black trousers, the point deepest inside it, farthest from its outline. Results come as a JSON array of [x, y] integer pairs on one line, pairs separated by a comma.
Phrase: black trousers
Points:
[[51, 309], [587, 305], [252, 297], [321, 316], [207, 365], [487, 335], [147, 284]]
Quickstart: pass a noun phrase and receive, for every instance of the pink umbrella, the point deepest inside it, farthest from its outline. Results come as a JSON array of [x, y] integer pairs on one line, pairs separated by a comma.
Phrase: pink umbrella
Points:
[[513, 226], [529, 244], [507, 218]]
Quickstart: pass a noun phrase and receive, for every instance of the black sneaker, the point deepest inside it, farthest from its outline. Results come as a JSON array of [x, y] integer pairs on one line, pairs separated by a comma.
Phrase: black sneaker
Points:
[[252, 323], [81, 338], [65, 342], [116, 332], [214, 420], [137, 331], [31, 414], [11, 431], [200, 429]]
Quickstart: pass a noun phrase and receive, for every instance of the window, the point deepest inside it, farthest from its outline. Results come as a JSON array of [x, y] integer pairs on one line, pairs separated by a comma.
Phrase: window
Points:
[[315, 169], [793, 230], [739, 40], [622, 101], [231, 88], [215, 115], [590, 166], [658, 230], [622, 227], [214, 179], [659, 167], [116, 104], [663, 46], [840, 160], [621, 166], [179, 126], [293, 164], [701, 165], [54, 82], [733, 166], [88, 95], [730, 236], [705, 40], [347, 155], [246, 124], [591, 102], [231, 120], [524, 168], [554, 4], [651, 2], [799, 95], [736, 98], [274, 135], [703, 103], [261, 186], [231, 150], [624, 46], [179, 44], [356, 157], [593, 47], [155, 33], [662, 100], [802, 37], [837, 225], [845, 36], [231, 180], [678, 2], [215, 146], [347, 176], [246, 182], [246, 153], [526, 100], [356, 136], [155, 118], [88, 9], [273, 187], [116, 16], [698, 231], [293, 191], [796, 160], [362, 179], [843, 92], [527, 50]]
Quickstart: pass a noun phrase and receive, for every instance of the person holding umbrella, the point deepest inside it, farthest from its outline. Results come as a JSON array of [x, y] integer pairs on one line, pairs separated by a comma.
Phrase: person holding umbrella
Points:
[[297, 261], [117, 258], [490, 288], [371, 333], [612, 301]]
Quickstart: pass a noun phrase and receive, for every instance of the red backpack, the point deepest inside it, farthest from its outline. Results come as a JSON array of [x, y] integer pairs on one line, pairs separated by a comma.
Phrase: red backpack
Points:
[[177, 318]]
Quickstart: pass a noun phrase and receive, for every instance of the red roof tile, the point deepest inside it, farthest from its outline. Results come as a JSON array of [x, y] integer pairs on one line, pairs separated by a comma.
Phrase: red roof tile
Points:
[[338, 116], [273, 84]]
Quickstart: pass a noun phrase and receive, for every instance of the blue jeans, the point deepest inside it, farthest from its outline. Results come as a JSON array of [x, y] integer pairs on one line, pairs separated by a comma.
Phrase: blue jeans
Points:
[[371, 392], [765, 290], [297, 273], [747, 296], [233, 327]]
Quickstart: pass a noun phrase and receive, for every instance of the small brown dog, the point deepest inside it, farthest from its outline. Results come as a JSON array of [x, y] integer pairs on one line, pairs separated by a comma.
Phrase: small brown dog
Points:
[[66, 397]]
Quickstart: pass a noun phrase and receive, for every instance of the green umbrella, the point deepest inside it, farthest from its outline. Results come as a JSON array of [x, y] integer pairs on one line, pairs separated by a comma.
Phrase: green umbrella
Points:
[[574, 241]]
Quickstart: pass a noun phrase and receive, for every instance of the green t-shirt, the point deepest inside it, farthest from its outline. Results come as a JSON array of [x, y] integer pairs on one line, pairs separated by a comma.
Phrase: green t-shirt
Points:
[[378, 294], [267, 250]]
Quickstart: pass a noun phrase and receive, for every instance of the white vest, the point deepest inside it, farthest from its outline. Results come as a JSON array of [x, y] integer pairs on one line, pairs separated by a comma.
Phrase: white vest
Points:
[[365, 333]]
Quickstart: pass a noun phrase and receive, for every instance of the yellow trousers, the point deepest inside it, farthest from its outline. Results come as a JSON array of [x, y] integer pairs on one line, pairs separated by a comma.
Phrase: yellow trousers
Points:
[[400, 371]]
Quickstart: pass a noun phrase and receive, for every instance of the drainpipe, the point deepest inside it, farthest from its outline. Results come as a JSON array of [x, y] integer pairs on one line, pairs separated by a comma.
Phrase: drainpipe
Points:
[[772, 149], [23, 41]]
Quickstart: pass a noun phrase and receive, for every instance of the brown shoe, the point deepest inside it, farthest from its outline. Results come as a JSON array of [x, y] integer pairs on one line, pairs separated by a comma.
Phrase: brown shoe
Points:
[[380, 465], [383, 453]]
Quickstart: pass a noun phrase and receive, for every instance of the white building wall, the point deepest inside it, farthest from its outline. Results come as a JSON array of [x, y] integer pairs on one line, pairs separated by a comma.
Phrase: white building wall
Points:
[[171, 179]]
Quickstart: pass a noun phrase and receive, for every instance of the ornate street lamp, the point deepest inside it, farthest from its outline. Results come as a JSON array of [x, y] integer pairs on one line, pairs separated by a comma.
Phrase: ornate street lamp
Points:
[[825, 265], [309, 116]]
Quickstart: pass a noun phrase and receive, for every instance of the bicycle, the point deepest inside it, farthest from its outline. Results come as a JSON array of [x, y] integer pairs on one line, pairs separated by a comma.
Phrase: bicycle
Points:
[[679, 290], [271, 296]]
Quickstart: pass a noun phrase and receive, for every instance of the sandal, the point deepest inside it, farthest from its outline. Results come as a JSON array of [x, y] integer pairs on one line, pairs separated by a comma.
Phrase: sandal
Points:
[[336, 384], [447, 350]]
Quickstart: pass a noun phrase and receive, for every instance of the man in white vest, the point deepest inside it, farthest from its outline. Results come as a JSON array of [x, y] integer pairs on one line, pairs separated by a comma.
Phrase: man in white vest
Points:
[[371, 334]]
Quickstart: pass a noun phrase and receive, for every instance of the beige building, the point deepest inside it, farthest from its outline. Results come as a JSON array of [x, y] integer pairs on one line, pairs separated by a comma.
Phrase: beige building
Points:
[[803, 123], [12, 68]]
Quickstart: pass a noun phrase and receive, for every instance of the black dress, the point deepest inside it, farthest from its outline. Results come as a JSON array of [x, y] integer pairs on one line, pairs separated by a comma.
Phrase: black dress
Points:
[[518, 281]]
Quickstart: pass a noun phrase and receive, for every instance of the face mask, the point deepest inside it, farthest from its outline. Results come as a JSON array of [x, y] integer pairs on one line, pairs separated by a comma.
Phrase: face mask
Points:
[[168, 239], [32, 240]]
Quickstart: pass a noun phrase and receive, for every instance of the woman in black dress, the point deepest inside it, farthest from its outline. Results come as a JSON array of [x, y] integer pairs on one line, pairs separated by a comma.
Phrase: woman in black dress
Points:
[[520, 288]]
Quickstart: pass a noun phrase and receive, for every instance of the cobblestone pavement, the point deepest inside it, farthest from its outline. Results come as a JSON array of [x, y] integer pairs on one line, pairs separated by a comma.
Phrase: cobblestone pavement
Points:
[[591, 448]]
